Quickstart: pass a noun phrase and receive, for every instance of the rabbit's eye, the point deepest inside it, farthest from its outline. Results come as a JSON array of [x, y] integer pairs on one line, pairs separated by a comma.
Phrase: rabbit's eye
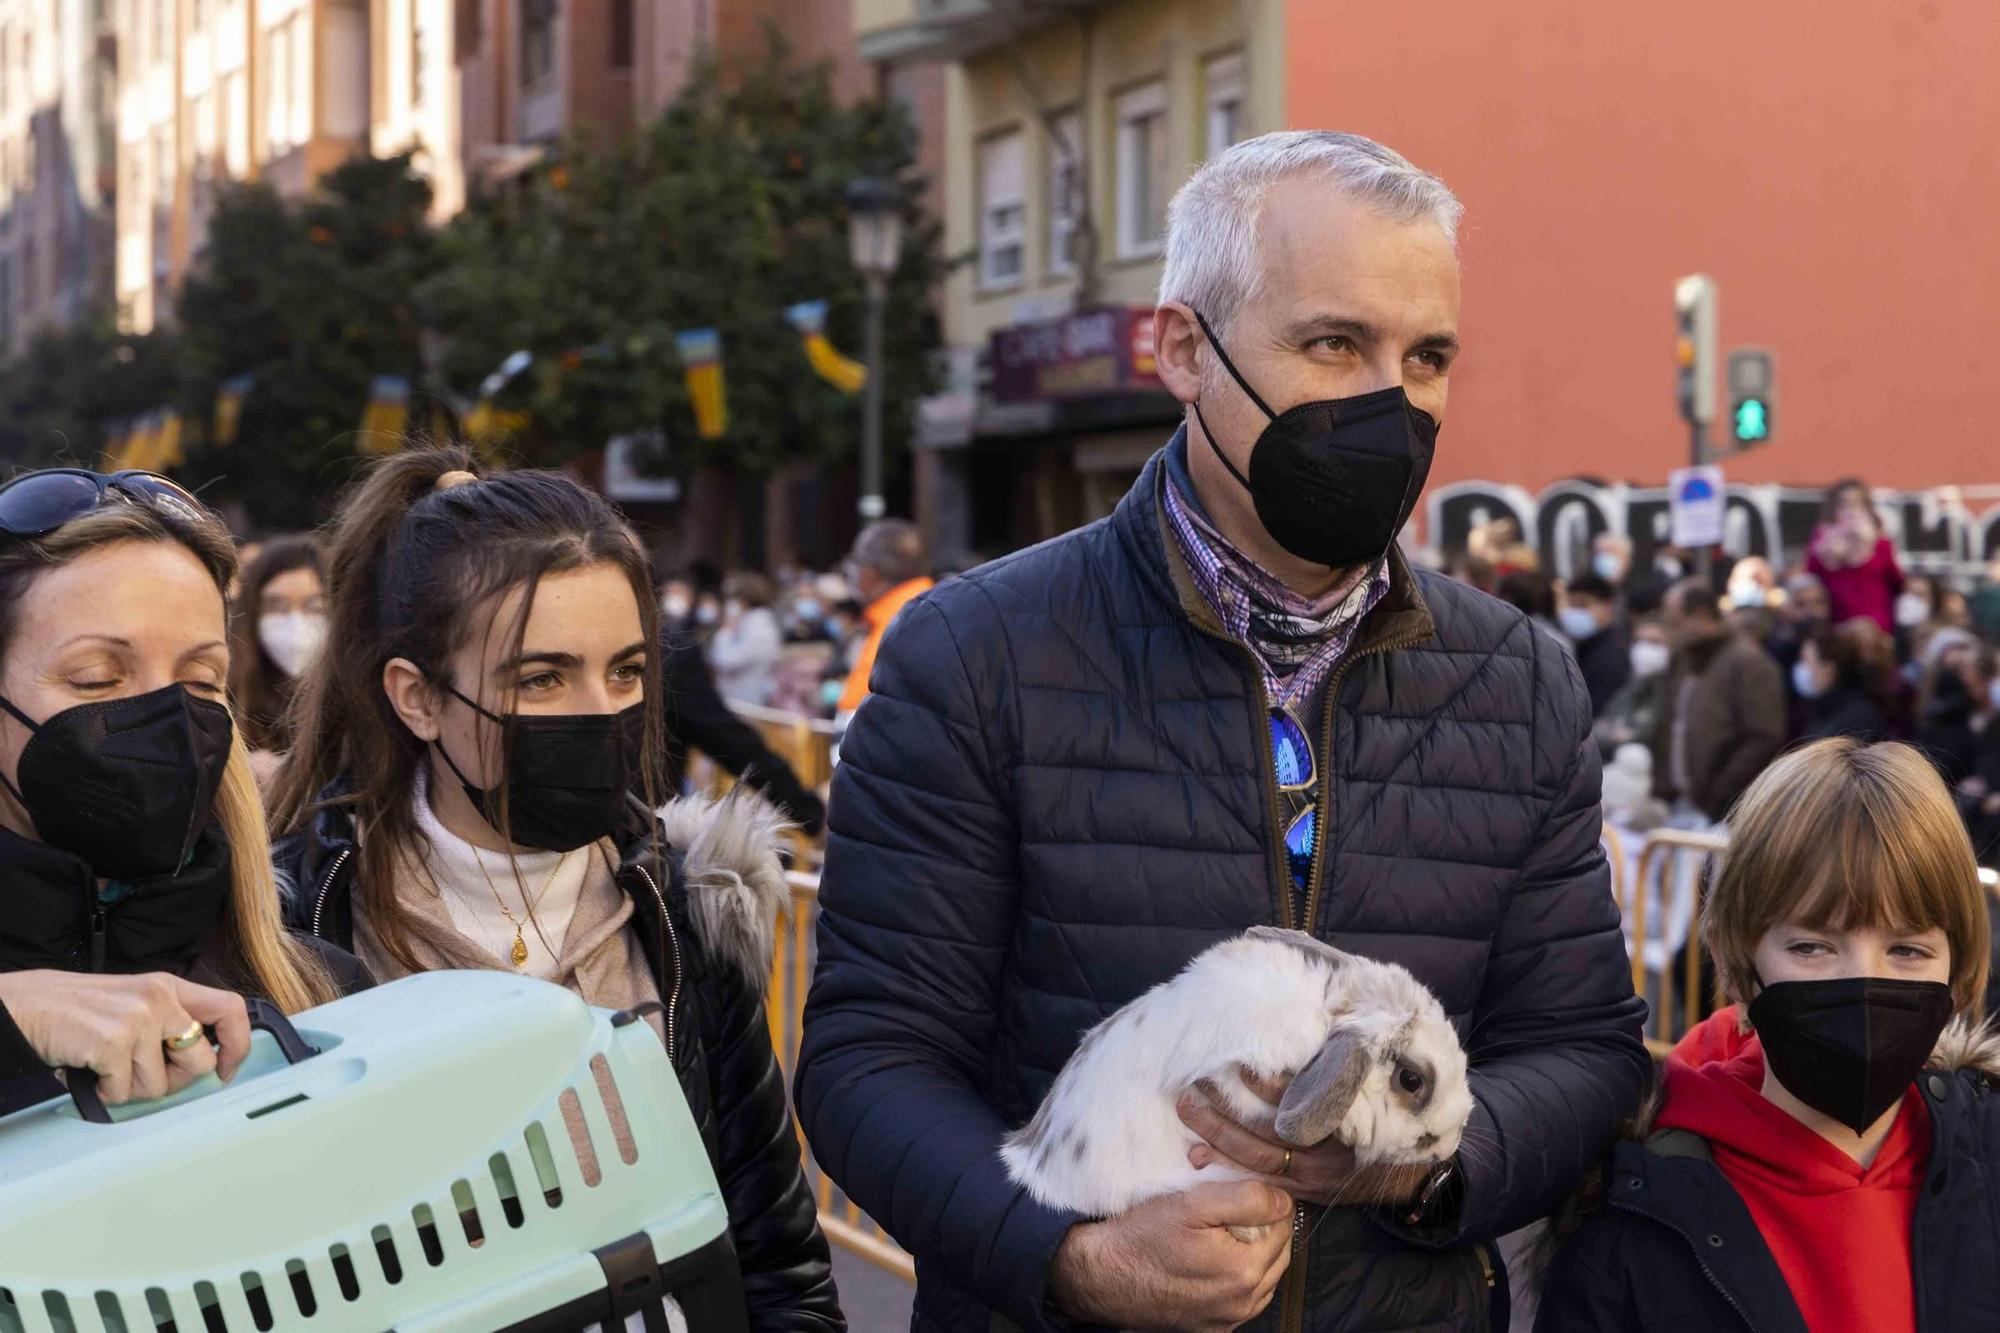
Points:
[[1409, 1080]]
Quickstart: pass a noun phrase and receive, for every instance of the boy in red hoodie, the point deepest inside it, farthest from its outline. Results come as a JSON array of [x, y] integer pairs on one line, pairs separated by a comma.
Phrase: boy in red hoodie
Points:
[[1804, 1174]]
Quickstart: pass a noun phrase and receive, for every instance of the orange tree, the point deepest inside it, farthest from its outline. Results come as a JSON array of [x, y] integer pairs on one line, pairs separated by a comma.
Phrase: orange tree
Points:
[[313, 299], [723, 212]]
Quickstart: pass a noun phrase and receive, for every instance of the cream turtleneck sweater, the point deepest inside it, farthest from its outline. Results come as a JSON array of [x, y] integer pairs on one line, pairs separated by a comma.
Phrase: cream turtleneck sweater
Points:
[[474, 883]]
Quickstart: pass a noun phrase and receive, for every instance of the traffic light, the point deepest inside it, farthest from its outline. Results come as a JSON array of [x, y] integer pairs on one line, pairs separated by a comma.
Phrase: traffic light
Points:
[[1695, 301], [1752, 385]]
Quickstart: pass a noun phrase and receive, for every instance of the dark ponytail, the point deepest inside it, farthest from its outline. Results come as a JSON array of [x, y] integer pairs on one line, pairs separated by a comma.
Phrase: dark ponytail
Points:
[[418, 562]]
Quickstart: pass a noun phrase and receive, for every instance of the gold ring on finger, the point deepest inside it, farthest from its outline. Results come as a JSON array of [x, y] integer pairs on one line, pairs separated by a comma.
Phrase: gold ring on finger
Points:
[[1286, 1168], [186, 1040]]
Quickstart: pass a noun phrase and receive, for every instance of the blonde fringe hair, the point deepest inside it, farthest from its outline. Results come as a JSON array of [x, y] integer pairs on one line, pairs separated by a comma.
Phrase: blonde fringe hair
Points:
[[1842, 835], [280, 966]]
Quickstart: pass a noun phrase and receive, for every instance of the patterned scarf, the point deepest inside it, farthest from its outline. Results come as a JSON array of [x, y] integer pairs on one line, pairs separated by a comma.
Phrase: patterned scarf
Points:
[[1297, 641]]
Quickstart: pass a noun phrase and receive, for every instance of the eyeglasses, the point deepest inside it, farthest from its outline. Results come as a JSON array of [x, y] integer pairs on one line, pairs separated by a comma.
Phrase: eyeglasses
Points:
[[1298, 785], [37, 503]]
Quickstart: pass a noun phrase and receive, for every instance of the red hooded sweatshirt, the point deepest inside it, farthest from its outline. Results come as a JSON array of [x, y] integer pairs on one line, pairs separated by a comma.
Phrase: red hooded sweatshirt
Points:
[[1840, 1232]]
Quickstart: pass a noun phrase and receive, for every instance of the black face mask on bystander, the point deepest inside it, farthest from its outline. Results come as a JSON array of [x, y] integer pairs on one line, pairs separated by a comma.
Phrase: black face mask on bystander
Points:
[[1849, 1048], [568, 775], [127, 785], [1333, 481]]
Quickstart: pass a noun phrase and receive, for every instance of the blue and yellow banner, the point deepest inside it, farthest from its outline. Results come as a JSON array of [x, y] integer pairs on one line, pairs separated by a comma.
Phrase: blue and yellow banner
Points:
[[844, 374], [701, 361], [167, 452], [229, 396], [387, 415], [150, 442]]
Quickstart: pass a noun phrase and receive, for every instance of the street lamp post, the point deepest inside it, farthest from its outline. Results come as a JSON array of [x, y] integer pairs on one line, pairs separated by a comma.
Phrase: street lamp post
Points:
[[875, 236]]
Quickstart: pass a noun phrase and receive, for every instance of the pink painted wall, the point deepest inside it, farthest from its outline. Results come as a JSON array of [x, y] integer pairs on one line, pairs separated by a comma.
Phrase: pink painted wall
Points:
[[1836, 168]]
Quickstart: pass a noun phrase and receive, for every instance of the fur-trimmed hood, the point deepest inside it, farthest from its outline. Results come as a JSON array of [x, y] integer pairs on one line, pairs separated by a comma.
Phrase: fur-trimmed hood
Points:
[[735, 876], [1969, 1046]]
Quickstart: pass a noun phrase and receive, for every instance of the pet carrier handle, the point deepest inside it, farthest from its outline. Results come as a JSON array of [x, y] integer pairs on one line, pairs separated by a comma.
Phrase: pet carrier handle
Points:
[[264, 1017]]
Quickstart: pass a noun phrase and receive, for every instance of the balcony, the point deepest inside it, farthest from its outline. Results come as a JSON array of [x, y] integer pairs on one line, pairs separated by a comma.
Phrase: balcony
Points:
[[892, 31]]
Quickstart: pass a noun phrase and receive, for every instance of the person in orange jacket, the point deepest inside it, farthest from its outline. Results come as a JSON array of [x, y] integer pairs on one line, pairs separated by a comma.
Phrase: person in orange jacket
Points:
[[889, 569]]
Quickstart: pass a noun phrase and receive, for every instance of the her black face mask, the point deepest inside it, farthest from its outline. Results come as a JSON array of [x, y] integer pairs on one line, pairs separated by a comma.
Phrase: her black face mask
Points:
[[1849, 1048], [126, 785], [1333, 481], [567, 775]]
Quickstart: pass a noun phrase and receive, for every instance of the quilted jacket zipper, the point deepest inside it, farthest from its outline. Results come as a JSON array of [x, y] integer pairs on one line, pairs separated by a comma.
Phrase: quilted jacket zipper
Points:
[[325, 885], [673, 942], [1292, 1318], [1292, 1290]]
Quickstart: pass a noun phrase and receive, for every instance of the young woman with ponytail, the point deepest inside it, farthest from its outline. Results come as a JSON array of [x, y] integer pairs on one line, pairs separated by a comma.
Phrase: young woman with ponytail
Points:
[[140, 901], [473, 783]]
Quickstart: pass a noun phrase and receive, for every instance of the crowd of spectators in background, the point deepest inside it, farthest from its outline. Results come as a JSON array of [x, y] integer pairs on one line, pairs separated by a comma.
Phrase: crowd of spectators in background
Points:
[[1698, 684], [801, 641]]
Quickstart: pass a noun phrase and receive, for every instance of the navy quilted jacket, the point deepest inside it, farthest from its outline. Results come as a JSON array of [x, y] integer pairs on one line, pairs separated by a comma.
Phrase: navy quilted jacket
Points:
[[1060, 791]]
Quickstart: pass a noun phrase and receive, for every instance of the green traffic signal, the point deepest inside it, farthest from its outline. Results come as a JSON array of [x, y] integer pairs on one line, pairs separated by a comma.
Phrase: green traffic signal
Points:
[[1753, 421]]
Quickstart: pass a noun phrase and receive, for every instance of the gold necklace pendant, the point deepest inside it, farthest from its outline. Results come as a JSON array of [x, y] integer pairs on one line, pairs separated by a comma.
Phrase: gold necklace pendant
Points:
[[519, 953]]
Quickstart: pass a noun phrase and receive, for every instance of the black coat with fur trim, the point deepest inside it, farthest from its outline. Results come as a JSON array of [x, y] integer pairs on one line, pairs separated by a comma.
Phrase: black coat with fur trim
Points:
[[704, 917], [1670, 1246]]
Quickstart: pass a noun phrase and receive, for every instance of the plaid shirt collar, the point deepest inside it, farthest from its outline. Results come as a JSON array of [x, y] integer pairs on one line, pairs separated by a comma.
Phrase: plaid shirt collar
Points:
[[1236, 589]]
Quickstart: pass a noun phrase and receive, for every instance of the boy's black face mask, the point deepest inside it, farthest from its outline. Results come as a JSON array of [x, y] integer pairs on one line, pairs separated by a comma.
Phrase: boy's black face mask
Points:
[[127, 785], [567, 775], [1849, 1048]]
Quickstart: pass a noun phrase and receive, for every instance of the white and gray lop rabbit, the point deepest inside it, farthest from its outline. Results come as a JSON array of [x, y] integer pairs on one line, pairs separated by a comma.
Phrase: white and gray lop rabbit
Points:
[[1378, 1068]]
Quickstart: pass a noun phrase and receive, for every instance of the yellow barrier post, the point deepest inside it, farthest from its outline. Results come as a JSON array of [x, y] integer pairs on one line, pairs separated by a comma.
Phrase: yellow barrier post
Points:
[[1659, 858], [843, 1221]]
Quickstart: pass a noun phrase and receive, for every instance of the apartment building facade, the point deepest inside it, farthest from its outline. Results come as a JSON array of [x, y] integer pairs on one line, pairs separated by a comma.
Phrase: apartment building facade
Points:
[[1067, 128], [217, 90], [56, 164]]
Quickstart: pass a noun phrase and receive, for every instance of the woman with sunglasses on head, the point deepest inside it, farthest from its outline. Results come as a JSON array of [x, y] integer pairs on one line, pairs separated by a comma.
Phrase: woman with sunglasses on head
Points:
[[279, 619], [472, 785], [140, 900]]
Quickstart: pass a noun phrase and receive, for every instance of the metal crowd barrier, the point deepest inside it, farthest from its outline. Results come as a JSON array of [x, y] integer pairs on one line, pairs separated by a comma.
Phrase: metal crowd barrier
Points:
[[840, 1217], [805, 743], [1675, 869]]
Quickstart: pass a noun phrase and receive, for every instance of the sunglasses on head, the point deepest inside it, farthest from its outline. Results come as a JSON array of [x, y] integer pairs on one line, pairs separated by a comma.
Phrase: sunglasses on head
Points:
[[37, 503]]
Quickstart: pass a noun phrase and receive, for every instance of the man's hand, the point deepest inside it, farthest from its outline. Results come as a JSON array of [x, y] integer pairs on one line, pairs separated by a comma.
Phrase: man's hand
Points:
[[119, 1027], [1323, 1174], [1171, 1264]]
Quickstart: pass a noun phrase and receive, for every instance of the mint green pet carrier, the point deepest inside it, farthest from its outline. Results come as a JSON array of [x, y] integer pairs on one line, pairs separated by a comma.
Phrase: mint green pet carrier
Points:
[[462, 1151]]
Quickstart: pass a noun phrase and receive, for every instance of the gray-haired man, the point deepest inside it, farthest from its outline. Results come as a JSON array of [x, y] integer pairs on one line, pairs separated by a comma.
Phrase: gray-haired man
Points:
[[1230, 704]]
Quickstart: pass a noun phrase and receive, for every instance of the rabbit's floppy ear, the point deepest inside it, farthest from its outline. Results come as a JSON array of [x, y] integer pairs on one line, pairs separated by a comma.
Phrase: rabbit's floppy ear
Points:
[[1297, 939], [1320, 1095]]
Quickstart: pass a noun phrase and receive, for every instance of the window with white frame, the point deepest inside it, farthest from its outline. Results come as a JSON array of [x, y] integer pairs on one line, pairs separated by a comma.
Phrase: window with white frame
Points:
[[205, 136], [538, 42], [165, 169], [1066, 184], [1142, 170], [278, 87], [418, 68], [236, 123], [1222, 83], [1003, 210]]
